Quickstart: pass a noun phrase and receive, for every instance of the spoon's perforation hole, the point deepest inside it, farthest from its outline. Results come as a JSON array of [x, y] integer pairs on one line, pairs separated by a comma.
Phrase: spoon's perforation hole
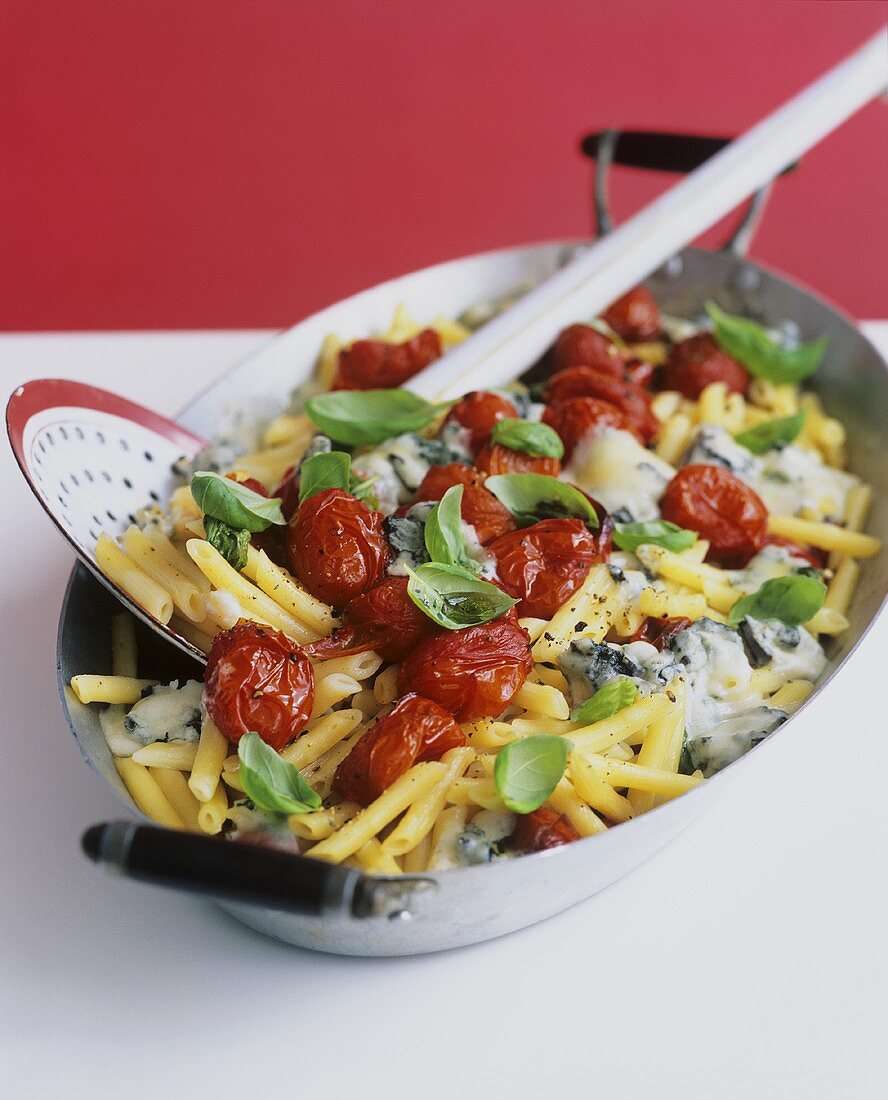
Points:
[[88, 475], [124, 446], [100, 436], [149, 457], [75, 480], [106, 476], [62, 432], [127, 483], [110, 515], [78, 431]]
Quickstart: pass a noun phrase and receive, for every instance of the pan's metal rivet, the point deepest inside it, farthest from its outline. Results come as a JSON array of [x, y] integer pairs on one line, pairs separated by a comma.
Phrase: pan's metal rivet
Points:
[[402, 915], [747, 278], [673, 267]]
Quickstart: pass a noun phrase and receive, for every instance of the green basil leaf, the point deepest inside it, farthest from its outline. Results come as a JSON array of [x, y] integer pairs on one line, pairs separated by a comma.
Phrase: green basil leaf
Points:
[[231, 542], [455, 598], [609, 699], [270, 781], [765, 358], [324, 471], [235, 504], [793, 600], [356, 417], [362, 488], [529, 437], [532, 497], [444, 538], [657, 532], [764, 436], [528, 770]]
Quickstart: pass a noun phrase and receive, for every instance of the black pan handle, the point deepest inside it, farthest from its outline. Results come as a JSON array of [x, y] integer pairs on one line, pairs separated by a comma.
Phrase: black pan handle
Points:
[[663, 152], [246, 873]]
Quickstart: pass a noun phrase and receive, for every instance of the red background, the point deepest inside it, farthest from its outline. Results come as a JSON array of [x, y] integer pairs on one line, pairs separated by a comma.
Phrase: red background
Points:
[[243, 162]]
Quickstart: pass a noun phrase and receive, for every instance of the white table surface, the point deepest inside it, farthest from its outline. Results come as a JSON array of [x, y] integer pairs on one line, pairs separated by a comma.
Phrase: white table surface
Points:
[[747, 959]]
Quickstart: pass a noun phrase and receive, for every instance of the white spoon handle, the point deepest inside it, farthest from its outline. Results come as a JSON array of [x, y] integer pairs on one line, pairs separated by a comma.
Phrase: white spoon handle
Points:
[[510, 342]]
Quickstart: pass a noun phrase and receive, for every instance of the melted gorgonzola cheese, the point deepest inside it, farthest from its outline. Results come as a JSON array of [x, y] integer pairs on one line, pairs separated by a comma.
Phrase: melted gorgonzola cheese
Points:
[[167, 713], [399, 465], [628, 479]]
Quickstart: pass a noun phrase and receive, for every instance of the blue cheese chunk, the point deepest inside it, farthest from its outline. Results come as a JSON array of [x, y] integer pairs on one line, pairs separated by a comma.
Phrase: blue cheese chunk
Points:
[[218, 458], [713, 446], [791, 479], [167, 712], [789, 651], [628, 479], [399, 465]]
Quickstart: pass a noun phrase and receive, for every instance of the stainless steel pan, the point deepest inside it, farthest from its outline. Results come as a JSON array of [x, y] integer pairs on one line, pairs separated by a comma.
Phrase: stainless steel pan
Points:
[[362, 915]]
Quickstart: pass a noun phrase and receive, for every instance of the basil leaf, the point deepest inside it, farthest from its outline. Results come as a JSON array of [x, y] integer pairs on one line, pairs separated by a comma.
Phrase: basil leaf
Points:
[[362, 489], [765, 358], [270, 781], [231, 542], [455, 598], [532, 497], [529, 437], [527, 771], [356, 417], [324, 471], [658, 532], [613, 697], [444, 538], [793, 600], [764, 436], [235, 504]]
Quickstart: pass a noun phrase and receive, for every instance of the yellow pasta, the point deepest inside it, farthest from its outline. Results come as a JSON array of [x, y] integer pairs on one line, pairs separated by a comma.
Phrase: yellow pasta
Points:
[[711, 403], [322, 823], [386, 687], [594, 790], [674, 438], [659, 604], [178, 755], [661, 748], [624, 725], [186, 596], [826, 536], [141, 588], [791, 696], [565, 800], [841, 587], [321, 735], [212, 812], [542, 699], [417, 822], [147, 795], [619, 773], [357, 666], [109, 689], [288, 594], [211, 751], [375, 859], [178, 794], [332, 690], [328, 361]]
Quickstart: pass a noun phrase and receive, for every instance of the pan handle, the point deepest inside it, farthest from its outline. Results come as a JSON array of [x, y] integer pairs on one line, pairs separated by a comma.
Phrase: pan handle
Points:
[[663, 152], [249, 874]]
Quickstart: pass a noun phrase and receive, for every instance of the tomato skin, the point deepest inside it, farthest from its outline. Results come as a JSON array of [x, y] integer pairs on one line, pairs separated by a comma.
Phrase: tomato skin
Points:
[[388, 605], [631, 400], [635, 316], [337, 547], [719, 507], [503, 460], [639, 373], [257, 679], [288, 491], [379, 365], [543, 565], [480, 507], [696, 362], [575, 419], [478, 411], [543, 828], [584, 346], [471, 673], [813, 554], [413, 731], [660, 632]]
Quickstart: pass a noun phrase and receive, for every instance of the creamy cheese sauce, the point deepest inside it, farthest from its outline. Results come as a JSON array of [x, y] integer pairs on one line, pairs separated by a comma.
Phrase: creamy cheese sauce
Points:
[[399, 465], [168, 713], [614, 468]]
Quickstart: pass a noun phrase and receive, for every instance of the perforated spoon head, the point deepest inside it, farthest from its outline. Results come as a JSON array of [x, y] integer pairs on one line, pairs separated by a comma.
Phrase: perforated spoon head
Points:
[[93, 459]]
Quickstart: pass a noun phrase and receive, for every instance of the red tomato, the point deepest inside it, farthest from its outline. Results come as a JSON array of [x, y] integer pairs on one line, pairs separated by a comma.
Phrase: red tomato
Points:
[[660, 632], [479, 411], [813, 554], [544, 828], [480, 507], [414, 730], [257, 679], [379, 365], [635, 316], [584, 346], [472, 673], [639, 373], [503, 460], [719, 507], [337, 547], [578, 417], [543, 565], [633, 402], [388, 605], [288, 491], [696, 362], [249, 483]]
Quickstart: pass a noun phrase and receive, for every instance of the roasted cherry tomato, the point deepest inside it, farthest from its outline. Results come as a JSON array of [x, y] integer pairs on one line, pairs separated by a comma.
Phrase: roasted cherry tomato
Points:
[[544, 828], [503, 460], [388, 605], [577, 418], [478, 412], [414, 730], [379, 365], [337, 547], [257, 679], [480, 507], [660, 632], [543, 565], [719, 507], [472, 673], [813, 554], [639, 373], [249, 483], [288, 491], [631, 400], [635, 316], [584, 346], [696, 362]]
